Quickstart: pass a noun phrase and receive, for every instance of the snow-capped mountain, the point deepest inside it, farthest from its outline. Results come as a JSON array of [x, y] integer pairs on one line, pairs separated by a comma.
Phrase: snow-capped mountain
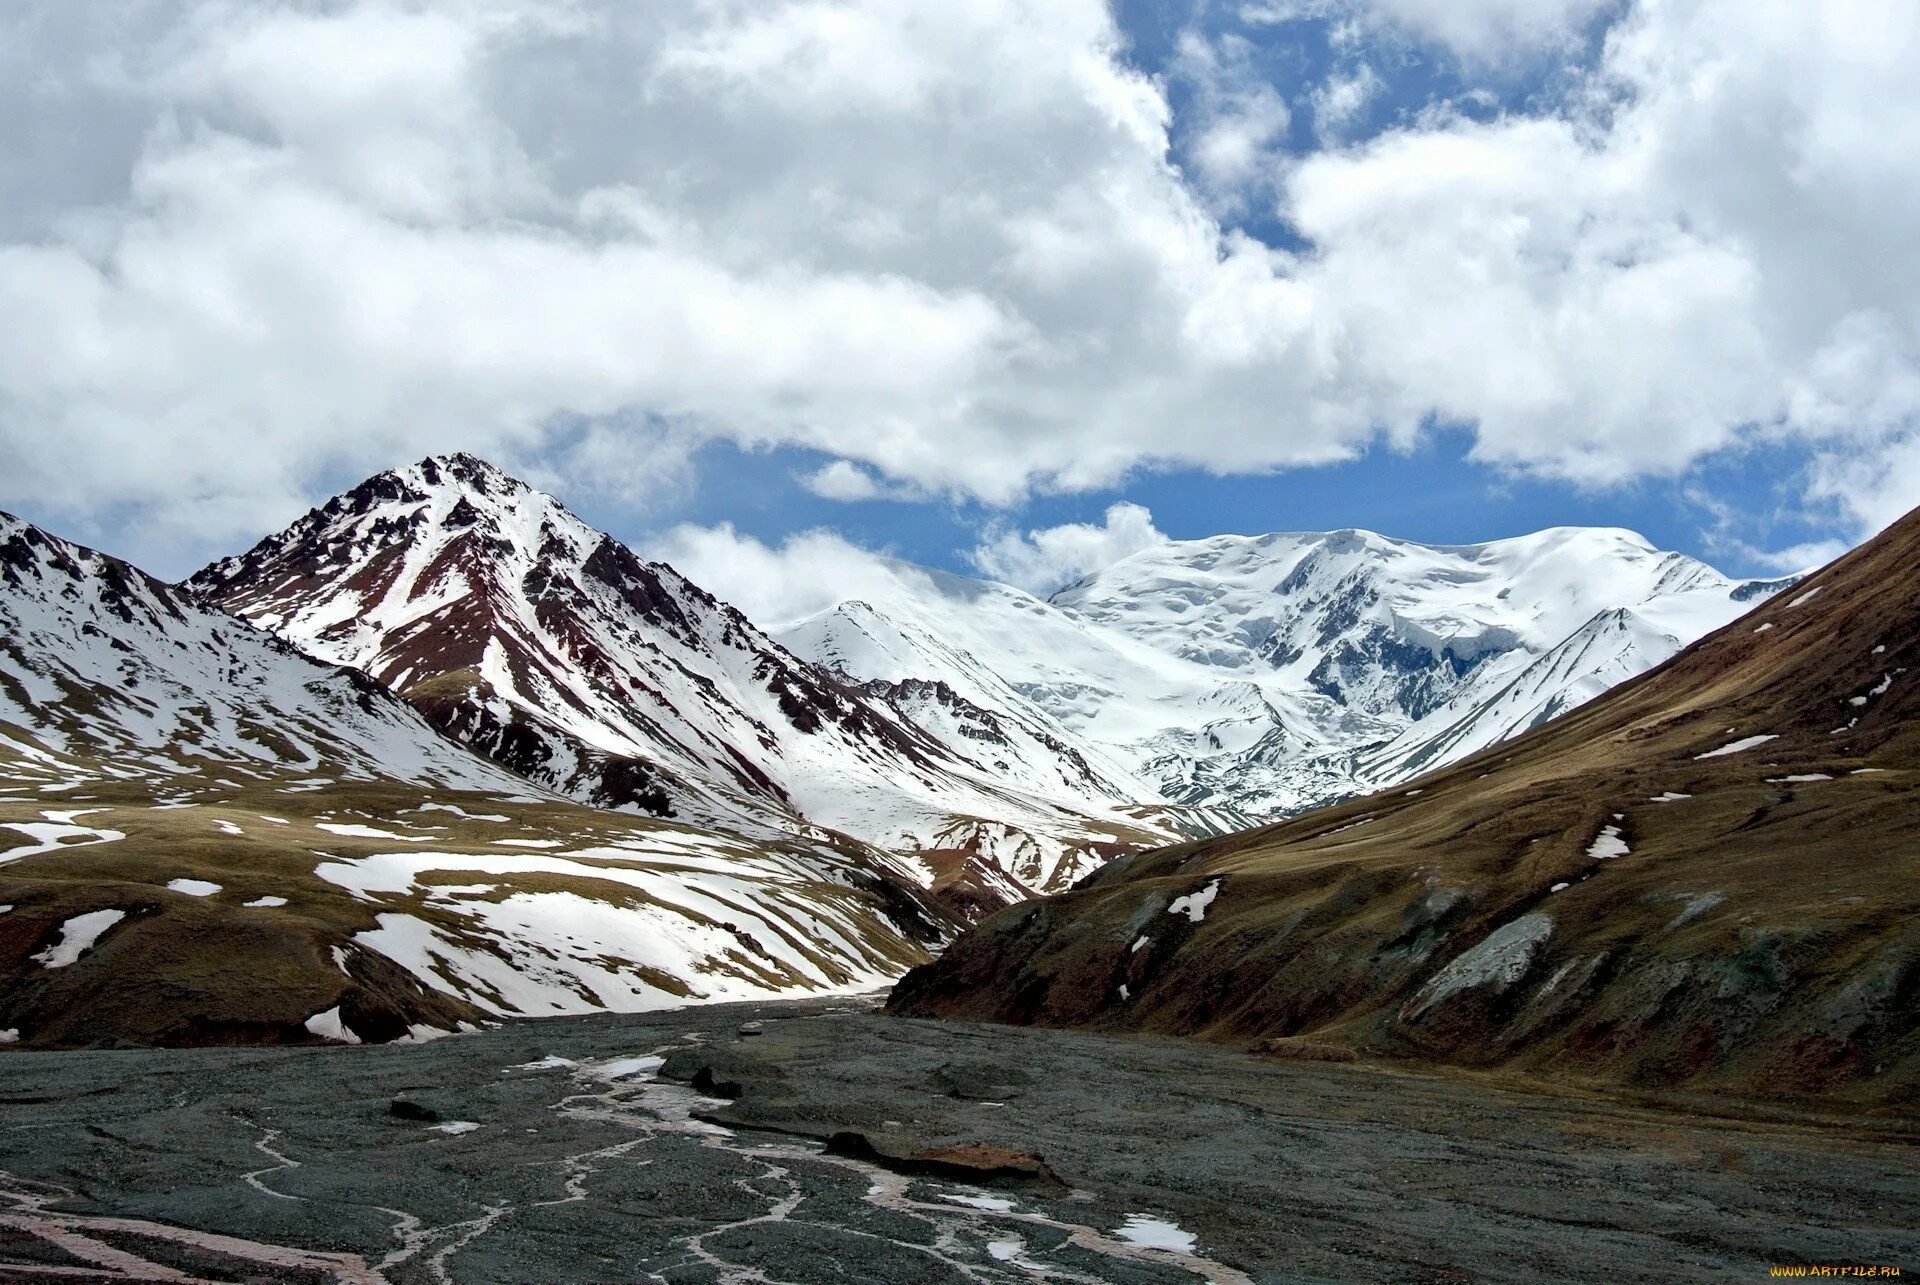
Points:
[[99, 660], [554, 649], [207, 835], [1261, 675]]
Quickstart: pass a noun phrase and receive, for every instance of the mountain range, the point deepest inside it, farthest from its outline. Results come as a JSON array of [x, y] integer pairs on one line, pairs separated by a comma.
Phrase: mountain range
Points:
[[1703, 879], [470, 757]]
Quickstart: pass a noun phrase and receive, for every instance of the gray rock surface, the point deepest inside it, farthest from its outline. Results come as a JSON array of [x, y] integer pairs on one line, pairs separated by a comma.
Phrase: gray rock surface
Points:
[[576, 1149]]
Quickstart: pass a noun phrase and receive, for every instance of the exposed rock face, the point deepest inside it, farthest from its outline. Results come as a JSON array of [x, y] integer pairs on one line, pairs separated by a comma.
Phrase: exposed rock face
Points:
[[1706, 877], [557, 652]]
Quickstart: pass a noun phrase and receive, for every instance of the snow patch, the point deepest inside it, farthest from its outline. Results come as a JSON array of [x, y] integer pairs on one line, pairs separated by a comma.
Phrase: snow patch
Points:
[[1194, 904], [1156, 1233], [77, 937], [328, 1026], [193, 887], [1608, 844], [1740, 746], [268, 901], [1806, 597]]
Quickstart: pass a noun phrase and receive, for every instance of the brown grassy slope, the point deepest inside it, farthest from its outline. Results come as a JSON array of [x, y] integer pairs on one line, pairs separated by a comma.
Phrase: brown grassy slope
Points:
[[1760, 938], [181, 969]]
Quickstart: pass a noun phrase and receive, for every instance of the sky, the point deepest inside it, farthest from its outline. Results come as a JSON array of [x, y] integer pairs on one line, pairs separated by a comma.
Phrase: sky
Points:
[[1008, 287]]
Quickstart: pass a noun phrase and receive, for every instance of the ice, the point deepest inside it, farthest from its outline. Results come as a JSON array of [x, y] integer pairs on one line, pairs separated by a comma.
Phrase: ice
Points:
[[328, 1026], [1156, 1233], [194, 887], [1736, 747], [620, 1068], [77, 936]]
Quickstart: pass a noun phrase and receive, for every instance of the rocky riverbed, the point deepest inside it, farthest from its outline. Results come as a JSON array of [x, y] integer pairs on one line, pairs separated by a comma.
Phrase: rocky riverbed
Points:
[[822, 1141]]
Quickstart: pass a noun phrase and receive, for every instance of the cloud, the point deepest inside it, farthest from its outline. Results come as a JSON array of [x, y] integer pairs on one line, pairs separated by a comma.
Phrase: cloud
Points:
[[1479, 30], [1238, 119], [846, 481], [1043, 560], [252, 249], [778, 585], [1341, 99]]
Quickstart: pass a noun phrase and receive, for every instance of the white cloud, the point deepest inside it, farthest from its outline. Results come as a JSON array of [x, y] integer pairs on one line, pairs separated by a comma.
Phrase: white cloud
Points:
[[777, 585], [1238, 119], [943, 244], [1041, 561], [842, 480], [846, 481], [1339, 101]]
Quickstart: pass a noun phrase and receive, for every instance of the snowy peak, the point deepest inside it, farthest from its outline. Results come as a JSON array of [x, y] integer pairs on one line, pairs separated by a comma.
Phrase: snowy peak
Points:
[[557, 651], [100, 659], [1265, 674]]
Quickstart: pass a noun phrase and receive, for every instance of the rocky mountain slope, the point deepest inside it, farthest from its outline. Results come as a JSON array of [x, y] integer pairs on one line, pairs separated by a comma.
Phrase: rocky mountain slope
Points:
[[1253, 677], [553, 649], [1706, 877], [207, 836]]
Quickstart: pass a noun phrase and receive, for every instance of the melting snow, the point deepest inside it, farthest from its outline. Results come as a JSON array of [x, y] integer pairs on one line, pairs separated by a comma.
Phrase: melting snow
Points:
[[77, 936], [328, 1026], [1194, 904], [1608, 844], [1156, 1233], [367, 832], [193, 887], [1736, 747]]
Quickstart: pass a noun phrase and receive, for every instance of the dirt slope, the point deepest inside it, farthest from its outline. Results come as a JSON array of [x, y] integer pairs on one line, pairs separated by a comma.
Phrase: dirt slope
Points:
[[1643, 892]]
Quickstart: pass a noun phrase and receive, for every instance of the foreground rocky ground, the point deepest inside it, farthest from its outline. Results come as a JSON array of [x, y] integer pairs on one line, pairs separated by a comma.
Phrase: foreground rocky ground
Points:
[[820, 1145]]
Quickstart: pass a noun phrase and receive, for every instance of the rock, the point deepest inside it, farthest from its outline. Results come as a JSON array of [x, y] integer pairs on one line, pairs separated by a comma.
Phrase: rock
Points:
[[752, 1028], [404, 1107], [975, 1162], [704, 1081], [1295, 1049]]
